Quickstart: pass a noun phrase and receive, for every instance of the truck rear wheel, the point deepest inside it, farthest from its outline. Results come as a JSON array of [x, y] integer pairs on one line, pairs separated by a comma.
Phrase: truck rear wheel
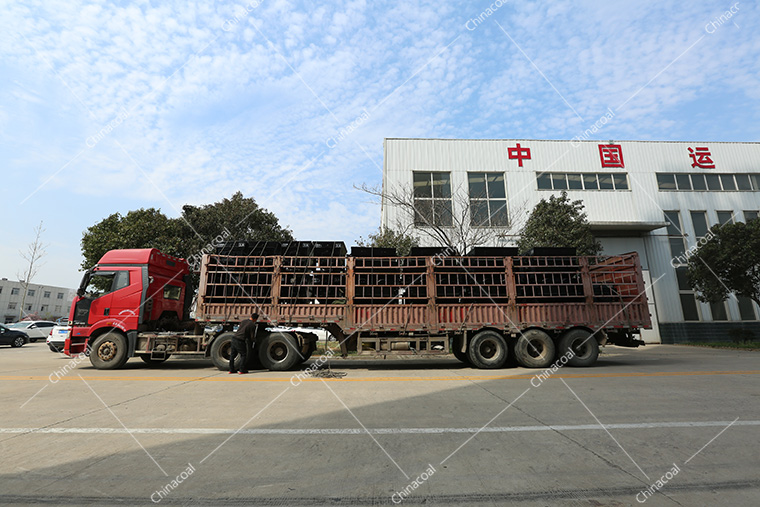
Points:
[[220, 353], [534, 349], [109, 351], [582, 344], [279, 352], [487, 350]]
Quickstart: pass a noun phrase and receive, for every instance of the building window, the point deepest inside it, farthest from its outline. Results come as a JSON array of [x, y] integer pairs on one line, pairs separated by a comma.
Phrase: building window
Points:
[[750, 215], [30, 292], [718, 311], [46, 294], [1, 289], [488, 199], [43, 308], [15, 291], [57, 308], [11, 306], [28, 308], [432, 198], [582, 181], [746, 308], [725, 217], [688, 301], [675, 235], [60, 295], [699, 221], [690, 182]]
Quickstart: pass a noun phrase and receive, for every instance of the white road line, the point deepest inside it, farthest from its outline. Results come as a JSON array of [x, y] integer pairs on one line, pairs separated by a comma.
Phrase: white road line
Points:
[[380, 431]]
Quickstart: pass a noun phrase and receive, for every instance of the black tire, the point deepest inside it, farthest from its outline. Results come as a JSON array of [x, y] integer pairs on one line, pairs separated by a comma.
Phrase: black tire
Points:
[[18, 341], [109, 351], [488, 350], [456, 349], [53, 348], [309, 353], [585, 348], [153, 362], [534, 349], [253, 362], [279, 352], [220, 353]]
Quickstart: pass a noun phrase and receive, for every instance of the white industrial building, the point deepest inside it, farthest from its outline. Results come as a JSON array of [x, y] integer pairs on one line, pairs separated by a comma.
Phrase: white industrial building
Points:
[[45, 301], [656, 198]]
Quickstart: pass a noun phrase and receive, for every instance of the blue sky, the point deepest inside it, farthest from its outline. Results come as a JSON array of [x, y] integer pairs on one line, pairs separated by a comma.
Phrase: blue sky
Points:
[[199, 100]]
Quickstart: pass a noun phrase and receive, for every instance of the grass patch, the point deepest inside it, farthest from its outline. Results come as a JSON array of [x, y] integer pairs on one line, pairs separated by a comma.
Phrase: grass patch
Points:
[[753, 345]]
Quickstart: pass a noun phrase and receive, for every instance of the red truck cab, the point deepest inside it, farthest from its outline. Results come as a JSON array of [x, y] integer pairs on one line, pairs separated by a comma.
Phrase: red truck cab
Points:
[[127, 292]]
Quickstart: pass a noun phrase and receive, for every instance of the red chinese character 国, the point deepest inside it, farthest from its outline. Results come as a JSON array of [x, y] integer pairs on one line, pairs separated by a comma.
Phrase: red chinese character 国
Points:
[[519, 153], [612, 155], [701, 157]]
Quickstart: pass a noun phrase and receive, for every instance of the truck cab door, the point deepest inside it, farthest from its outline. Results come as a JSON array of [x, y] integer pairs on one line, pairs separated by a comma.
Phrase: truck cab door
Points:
[[95, 303]]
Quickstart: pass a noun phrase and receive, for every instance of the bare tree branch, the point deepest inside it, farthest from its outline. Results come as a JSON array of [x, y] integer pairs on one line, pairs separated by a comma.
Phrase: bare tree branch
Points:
[[34, 252]]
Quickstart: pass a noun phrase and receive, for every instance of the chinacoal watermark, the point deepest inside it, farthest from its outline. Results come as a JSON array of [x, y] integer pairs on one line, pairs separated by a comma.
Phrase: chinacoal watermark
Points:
[[684, 258], [489, 11], [554, 368], [93, 140], [248, 8], [594, 128], [713, 26], [195, 259], [66, 369], [645, 494], [162, 493], [344, 132], [400, 496]]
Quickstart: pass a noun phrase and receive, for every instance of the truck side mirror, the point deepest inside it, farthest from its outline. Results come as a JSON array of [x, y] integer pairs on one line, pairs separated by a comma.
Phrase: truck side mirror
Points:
[[80, 292]]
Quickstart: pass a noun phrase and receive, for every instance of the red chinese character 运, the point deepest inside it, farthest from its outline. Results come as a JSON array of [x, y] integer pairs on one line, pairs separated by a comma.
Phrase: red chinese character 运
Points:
[[518, 153], [701, 158], [612, 155]]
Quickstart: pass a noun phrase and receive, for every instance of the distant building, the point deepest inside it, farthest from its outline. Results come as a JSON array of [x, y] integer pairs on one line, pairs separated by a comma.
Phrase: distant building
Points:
[[656, 198], [45, 301]]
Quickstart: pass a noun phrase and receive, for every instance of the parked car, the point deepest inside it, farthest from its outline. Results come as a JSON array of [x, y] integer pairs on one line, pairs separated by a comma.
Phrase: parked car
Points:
[[12, 337], [34, 329], [57, 337]]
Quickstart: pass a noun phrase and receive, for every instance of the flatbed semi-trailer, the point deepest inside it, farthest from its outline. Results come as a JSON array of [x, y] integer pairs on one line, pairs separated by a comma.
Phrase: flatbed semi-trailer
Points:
[[481, 308]]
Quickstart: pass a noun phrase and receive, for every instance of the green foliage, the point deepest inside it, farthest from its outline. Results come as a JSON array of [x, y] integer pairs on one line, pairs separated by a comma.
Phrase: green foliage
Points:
[[185, 236], [388, 238], [727, 261], [558, 222]]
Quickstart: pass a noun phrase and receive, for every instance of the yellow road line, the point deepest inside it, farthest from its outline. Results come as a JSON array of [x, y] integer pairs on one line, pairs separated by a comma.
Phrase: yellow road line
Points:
[[253, 377]]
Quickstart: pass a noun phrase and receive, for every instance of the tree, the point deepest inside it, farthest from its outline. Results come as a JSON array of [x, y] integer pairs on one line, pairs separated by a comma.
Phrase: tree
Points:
[[558, 222], [186, 236], [456, 227], [34, 252], [388, 238], [728, 260]]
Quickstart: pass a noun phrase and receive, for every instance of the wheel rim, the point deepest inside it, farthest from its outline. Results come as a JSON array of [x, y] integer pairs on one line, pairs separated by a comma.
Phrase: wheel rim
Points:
[[107, 350], [488, 349], [19, 342], [580, 347], [277, 352], [536, 349]]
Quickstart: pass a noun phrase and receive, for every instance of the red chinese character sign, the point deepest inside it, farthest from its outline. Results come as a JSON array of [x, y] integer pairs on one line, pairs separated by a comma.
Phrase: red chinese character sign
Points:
[[611, 155], [519, 153], [701, 157]]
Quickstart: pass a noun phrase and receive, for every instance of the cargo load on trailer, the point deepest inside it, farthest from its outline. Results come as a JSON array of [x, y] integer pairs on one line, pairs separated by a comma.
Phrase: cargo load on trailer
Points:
[[482, 307]]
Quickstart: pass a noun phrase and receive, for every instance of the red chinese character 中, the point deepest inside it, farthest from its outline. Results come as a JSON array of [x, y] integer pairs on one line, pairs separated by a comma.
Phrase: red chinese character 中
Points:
[[518, 153], [701, 158], [612, 155]]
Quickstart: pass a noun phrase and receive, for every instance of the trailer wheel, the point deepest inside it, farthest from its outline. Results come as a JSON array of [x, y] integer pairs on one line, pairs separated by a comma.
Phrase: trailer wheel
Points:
[[109, 351], [279, 352], [152, 362], [456, 349], [220, 352], [584, 347], [305, 357], [488, 349], [534, 349]]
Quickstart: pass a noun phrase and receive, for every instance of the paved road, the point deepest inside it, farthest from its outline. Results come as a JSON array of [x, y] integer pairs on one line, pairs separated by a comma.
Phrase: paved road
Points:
[[70, 434]]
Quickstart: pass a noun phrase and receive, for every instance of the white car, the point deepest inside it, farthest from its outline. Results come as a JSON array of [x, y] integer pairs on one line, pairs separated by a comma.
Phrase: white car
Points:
[[57, 337], [34, 329]]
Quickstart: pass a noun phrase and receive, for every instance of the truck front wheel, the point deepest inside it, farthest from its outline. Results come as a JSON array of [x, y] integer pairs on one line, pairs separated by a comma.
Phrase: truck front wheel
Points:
[[279, 352], [488, 349], [581, 347], [534, 349], [109, 351]]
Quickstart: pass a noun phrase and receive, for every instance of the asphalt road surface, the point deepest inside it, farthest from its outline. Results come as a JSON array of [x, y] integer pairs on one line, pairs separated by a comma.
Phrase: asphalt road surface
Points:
[[666, 425]]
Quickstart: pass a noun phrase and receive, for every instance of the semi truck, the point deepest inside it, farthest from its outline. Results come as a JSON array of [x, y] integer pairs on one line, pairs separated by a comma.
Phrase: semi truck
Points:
[[485, 308]]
